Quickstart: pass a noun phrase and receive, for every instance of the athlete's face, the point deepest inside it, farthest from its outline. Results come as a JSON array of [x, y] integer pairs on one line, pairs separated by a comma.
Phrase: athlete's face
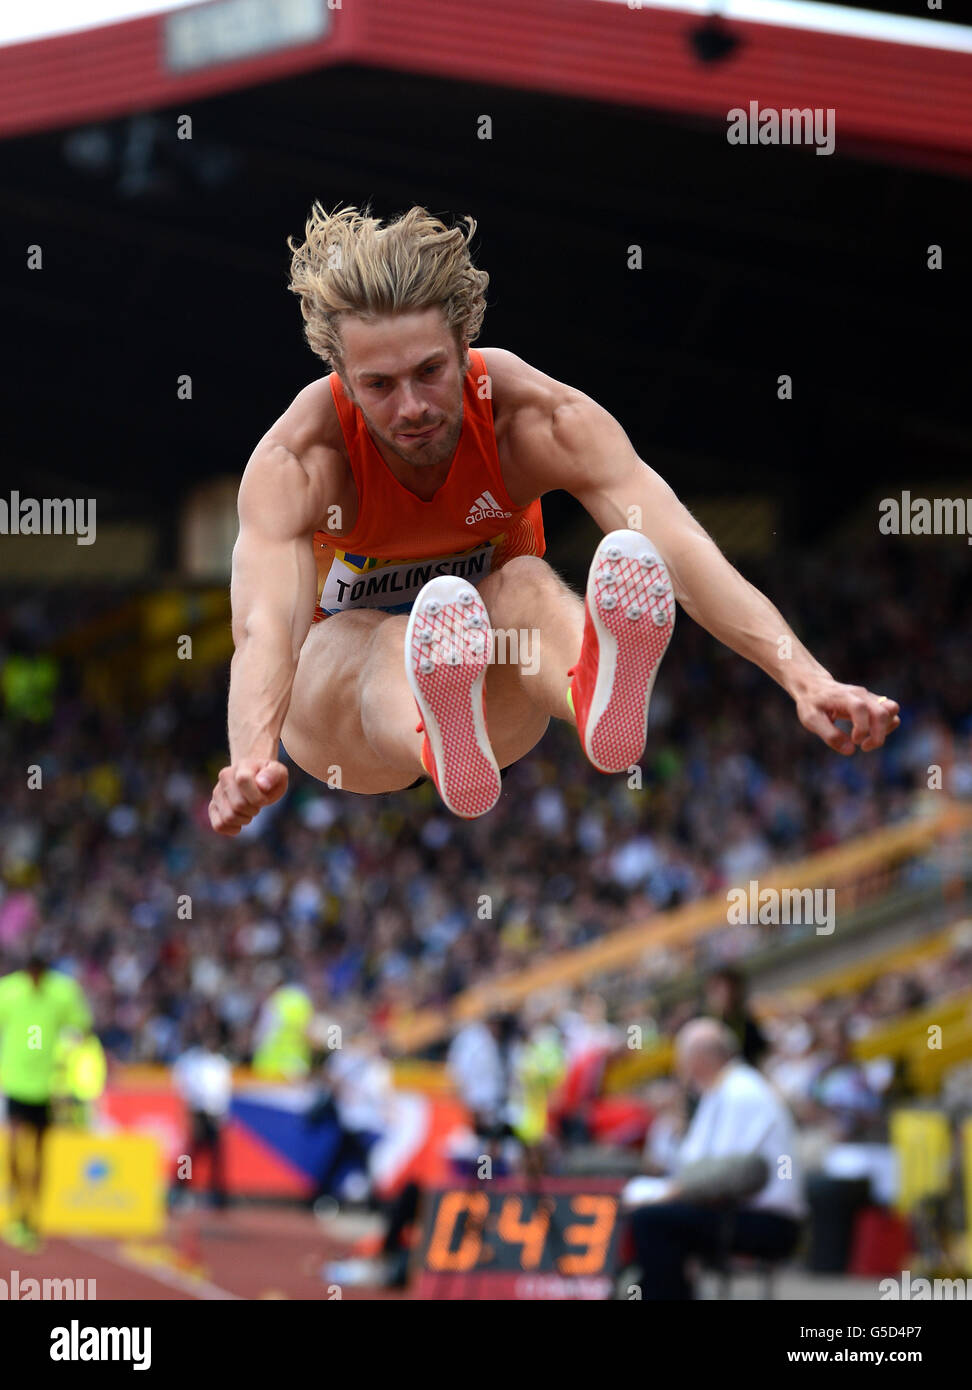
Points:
[[404, 373]]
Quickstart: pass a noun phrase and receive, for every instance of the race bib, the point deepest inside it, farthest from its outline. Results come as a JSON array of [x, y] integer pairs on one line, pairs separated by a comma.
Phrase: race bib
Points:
[[357, 581]]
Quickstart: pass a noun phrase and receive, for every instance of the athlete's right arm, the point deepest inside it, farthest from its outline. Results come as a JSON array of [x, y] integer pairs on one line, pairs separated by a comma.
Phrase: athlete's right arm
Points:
[[273, 591]]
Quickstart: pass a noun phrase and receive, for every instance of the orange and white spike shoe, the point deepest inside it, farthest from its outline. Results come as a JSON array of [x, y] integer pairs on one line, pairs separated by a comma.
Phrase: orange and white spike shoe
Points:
[[447, 647], [628, 620]]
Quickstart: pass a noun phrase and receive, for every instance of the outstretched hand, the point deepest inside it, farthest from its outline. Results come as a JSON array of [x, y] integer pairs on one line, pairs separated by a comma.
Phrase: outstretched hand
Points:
[[872, 717], [243, 790]]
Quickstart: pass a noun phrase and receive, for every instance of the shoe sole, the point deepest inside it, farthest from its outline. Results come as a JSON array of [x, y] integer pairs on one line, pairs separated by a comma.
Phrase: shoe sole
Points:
[[446, 668], [626, 573]]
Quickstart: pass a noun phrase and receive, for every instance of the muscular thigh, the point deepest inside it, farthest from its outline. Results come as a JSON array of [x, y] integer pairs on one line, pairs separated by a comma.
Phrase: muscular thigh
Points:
[[323, 730], [515, 724]]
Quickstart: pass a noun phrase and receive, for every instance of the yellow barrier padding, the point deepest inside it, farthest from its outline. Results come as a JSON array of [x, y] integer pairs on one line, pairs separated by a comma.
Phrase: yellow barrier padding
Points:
[[907, 1031], [855, 977], [408, 1074], [637, 1067], [431, 1078], [921, 1140], [134, 647], [928, 1065], [95, 1185]]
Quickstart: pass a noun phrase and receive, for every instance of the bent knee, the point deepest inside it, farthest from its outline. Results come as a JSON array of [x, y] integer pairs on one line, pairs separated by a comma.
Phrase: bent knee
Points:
[[526, 569], [513, 591]]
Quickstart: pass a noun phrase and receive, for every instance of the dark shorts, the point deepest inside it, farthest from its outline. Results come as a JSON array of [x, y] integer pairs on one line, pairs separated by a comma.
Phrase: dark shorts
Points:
[[25, 1112], [419, 781]]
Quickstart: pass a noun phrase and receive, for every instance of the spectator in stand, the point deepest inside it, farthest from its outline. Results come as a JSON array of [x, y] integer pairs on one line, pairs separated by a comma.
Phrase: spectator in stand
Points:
[[589, 1040], [845, 1100], [379, 910], [725, 999], [794, 1064]]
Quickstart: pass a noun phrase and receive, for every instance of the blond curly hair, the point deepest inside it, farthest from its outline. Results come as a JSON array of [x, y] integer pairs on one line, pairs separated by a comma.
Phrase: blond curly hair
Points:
[[349, 263]]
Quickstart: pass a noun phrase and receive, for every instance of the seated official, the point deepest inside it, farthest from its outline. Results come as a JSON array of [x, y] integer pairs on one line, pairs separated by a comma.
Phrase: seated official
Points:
[[710, 1205]]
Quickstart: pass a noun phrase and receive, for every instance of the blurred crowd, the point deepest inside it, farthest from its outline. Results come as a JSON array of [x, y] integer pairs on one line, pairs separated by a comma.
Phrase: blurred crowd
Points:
[[379, 906], [805, 1049]]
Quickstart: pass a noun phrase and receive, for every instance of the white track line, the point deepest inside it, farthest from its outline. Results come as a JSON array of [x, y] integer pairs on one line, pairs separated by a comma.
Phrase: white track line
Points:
[[185, 1283]]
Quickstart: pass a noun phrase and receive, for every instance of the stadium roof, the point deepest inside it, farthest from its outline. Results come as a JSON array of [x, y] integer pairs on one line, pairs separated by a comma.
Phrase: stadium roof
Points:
[[45, 18], [896, 81], [165, 256]]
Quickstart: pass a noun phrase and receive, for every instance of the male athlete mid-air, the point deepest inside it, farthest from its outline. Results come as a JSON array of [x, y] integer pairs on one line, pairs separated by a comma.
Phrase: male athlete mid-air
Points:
[[390, 525]]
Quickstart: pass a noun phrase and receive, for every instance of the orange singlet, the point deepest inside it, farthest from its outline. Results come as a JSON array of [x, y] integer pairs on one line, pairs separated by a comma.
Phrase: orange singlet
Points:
[[470, 527]]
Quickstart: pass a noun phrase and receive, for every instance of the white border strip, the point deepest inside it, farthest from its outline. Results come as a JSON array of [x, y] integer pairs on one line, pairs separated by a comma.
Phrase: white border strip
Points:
[[48, 19], [823, 19]]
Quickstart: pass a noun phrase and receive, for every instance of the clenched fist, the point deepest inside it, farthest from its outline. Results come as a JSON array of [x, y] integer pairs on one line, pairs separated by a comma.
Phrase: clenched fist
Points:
[[873, 717], [243, 790]]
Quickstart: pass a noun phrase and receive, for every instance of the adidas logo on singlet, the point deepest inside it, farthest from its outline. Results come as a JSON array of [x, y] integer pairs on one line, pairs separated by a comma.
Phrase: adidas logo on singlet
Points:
[[485, 506]]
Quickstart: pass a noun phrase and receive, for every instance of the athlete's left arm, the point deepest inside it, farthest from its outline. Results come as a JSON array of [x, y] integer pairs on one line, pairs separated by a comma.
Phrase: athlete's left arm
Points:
[[582, 449]]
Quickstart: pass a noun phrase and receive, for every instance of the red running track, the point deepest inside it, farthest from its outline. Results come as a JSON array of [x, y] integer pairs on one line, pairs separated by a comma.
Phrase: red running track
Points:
[[247, 1253]]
